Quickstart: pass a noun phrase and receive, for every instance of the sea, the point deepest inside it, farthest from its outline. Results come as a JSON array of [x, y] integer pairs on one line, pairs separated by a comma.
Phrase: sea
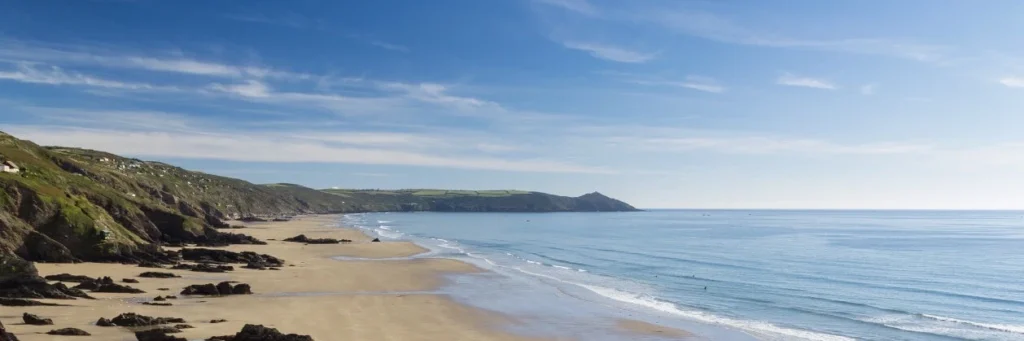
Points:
[[819, 275]]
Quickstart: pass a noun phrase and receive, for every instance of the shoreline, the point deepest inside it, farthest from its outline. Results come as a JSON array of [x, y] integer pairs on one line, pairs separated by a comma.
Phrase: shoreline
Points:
[[382, 295]]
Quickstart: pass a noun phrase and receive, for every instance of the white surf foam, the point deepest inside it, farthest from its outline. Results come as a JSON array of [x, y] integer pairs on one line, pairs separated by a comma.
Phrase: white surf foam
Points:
[[1009, 328], [762, 330], [561, 267], [388, 234], [534, 262], [384, 221], [385, 227]]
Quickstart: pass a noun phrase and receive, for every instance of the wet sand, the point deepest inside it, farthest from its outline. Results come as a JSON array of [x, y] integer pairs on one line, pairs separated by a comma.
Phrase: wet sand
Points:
[[312, 294]]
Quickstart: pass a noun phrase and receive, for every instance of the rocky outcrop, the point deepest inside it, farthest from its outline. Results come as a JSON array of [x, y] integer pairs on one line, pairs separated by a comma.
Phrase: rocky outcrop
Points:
[[153, 274], [35, 320], [252, 332], [106, 284], [20, 302], [204, 267], [66, 277], [69, 332], [303, 239], [137, 320], [224, 256], [220, 289], [129, 280], [20, 279]]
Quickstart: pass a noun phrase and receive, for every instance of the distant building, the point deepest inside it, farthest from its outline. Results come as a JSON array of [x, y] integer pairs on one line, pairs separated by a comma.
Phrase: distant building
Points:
[[9, 167]]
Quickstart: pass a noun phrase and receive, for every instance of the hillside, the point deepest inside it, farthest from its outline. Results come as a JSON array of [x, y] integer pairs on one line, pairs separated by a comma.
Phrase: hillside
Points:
[[69, 204]]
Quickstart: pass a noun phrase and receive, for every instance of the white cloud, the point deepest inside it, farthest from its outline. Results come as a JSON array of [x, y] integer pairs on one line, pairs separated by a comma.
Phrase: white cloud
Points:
[[765, 145], [250, 88], [578, 6], [389, 46], [271, 147], [612, 53], [53, 75], [807, 82], [1013, 82], [699, 83], [867, 89]]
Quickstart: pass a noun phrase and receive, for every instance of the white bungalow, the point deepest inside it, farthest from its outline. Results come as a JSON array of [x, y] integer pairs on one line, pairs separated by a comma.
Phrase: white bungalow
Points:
[[9, 167]]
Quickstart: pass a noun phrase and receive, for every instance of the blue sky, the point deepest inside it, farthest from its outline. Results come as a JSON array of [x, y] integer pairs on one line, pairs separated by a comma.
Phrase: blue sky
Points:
[[750, 104]]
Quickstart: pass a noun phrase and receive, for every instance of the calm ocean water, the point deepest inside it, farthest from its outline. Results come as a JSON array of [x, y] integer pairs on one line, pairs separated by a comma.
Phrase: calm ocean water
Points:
[[735, 274]]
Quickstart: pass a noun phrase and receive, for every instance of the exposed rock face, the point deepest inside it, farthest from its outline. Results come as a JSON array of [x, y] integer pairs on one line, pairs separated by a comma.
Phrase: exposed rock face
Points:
[[106, 284], [376, 240], [35, 320], [160, 304], [136, 320], [66, 277], [218, 321], [221, 289], [303, 239], [104, 322], [152, 274], [130, 280], [204, 267], [20, 279], [166, 329], [20, 302], [260, 333], [224, 256], [183, 326], [69, 332]]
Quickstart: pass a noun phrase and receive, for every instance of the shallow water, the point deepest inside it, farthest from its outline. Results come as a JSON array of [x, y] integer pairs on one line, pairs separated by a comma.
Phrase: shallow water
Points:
[[773, 275]]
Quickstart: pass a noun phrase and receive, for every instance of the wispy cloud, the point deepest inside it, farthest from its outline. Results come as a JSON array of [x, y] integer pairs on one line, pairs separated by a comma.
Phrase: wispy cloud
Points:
[[283, 148], [807, 82], [53, 75], [293, 20], [389, 46], [612, 53], [1013, 82], [699, 83], [578, 6]]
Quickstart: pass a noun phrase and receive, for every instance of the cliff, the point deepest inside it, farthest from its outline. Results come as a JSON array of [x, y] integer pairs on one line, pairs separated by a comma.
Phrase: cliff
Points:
[[68, 204]]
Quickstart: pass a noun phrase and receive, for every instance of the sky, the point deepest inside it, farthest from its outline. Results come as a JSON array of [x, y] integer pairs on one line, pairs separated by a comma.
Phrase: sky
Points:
[[663, 104]]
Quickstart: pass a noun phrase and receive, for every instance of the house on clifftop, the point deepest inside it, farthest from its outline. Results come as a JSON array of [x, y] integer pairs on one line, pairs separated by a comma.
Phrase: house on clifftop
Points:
[[9, 167]]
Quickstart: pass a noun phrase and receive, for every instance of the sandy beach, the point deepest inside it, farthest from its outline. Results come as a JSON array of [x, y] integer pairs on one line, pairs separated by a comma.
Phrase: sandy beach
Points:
[[355, 298]]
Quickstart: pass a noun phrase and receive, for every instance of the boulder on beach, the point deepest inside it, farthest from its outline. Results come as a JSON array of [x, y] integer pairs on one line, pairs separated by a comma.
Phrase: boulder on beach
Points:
[[220, 289], [129, 280], [104, 322], [375, 240], [260, 333], [69, 332], [154, 274], [303, 239], [66, 277], [21, 302], [35, 320], [224, 256], [204, 267], [20, 279], [106, 284], [137, 320]]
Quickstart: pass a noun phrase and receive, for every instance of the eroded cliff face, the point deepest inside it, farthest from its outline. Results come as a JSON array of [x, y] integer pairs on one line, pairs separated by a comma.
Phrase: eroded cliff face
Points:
[[69, 204]]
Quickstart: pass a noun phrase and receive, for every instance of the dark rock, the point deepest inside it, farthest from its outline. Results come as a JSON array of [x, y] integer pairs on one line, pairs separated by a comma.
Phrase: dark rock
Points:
[[224, 256], [69, 332], [283, 219], [159, 299], [156, 335], [152, 274], [224, 288], [303, 239], [225, 239], [130, 280], [71, 291], [20, 279], [183, 326], [275, 269], [260, 333], [201, 289], [241, 289], [166, 329], [65, 277], [147, 264], [35, 320], [106, 284], [255, 266], [204, 267], [104, 322], [20, 302], [172, 297], [5, 336], [136, 320], [252, 219], [376, 240], [163, 289], [157, 304], [218, 321]]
